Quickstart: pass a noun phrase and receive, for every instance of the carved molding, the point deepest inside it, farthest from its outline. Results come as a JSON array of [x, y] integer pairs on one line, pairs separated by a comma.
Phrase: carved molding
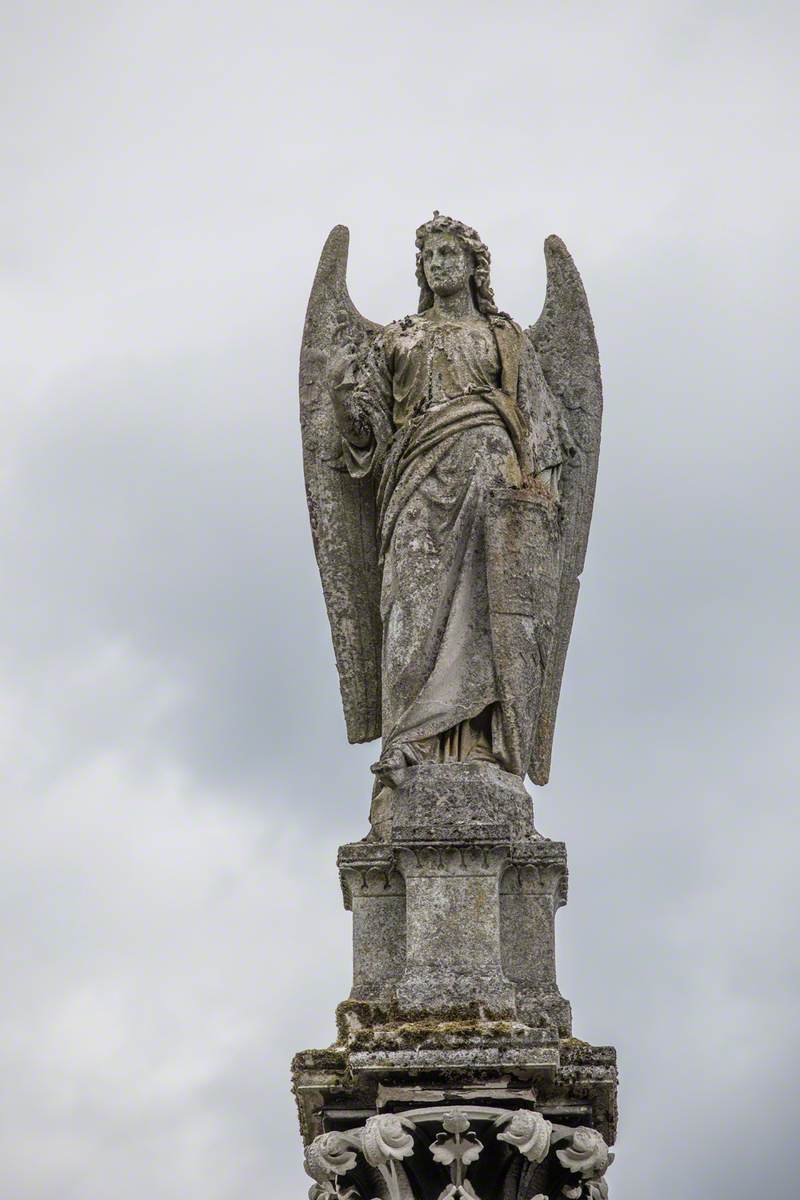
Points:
[[451, 860], [370, 881], [542, 867], [547, 879], [409, 1156]]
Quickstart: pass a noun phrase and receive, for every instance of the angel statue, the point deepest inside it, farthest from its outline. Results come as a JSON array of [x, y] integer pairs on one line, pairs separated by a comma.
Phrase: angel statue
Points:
[[450, 461]]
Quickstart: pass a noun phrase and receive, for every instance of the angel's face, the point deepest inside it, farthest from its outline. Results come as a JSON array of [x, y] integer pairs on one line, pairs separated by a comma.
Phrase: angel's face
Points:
[[447, 263]]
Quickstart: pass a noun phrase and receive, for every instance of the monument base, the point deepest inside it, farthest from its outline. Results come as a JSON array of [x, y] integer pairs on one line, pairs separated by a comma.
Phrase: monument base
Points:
[[455, 1033]]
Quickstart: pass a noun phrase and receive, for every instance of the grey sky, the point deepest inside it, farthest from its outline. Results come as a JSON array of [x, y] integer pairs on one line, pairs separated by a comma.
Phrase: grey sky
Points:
[[175, 777]]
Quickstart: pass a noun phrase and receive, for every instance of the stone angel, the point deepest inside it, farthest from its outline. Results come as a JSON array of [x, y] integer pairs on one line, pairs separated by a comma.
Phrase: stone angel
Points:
[[450, 461]]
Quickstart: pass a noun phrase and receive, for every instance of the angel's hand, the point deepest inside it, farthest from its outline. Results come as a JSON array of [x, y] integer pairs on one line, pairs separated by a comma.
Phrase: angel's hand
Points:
[[342, 366], [341, 377], [548, 479], [341, 371]]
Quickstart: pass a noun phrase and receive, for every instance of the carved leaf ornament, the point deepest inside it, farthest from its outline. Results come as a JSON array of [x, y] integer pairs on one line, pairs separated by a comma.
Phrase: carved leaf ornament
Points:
[[463, 1191], [587, 1154], [331, 1191], [461, 1147], [329, 1155], [386, 1139], [528, 1131]]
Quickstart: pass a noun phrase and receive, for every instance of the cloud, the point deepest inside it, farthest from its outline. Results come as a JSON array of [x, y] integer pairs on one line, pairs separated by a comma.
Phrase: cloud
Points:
[[175, 771]]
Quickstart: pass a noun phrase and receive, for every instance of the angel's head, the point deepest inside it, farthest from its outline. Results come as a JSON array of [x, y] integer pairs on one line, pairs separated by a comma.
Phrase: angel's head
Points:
[[451, 256]]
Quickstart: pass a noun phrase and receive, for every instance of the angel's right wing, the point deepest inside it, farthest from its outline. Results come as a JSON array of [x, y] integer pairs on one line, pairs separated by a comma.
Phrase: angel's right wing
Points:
[[341, 509]]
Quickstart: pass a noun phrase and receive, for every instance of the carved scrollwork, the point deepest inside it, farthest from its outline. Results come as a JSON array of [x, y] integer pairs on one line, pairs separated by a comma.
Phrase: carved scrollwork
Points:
[[587, 1156], [385, 1140], [387, 1137], [330, 1155], [449, 1141], [331, 1191], [528, 1131]]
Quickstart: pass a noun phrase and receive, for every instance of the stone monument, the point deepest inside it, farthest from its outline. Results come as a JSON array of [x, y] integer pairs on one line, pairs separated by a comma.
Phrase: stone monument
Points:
[[450, 461]]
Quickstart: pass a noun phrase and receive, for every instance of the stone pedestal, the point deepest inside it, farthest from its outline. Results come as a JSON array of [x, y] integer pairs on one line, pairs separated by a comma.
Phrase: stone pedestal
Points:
[[454, 914], [454, 1000]]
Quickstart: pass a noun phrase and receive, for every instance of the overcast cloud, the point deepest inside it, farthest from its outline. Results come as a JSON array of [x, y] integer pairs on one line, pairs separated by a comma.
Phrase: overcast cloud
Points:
[[175, 774]]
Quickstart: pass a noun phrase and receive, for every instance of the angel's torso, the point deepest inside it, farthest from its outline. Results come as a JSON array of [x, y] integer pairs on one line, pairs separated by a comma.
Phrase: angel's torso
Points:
[[433, 362]]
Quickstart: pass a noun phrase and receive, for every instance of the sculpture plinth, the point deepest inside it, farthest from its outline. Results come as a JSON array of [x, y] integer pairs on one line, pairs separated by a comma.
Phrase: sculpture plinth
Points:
[[454, 1000]]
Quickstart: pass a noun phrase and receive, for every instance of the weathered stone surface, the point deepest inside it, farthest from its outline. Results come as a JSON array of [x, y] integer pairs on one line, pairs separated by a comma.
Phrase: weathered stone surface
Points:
[[574, 1083], [532, 889], [340, 506], [566, 349], [450, 631], [375, 891], [459, 802], [453, 953], [526, 1061]]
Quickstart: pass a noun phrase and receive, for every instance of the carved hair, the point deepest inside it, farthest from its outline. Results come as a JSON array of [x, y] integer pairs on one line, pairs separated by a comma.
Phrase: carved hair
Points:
[[482, 292]]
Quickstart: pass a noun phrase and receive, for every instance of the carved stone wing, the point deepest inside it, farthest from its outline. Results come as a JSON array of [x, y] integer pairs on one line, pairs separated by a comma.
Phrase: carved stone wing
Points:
[[341, 509], [565, 342]]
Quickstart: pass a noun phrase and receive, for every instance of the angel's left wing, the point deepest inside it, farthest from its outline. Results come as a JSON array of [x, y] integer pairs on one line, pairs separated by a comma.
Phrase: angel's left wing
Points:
[[341, 508], [565, 342]]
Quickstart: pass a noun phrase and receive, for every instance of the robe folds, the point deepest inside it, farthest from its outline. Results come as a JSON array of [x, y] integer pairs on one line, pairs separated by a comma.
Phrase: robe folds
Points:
[[458, 424]]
